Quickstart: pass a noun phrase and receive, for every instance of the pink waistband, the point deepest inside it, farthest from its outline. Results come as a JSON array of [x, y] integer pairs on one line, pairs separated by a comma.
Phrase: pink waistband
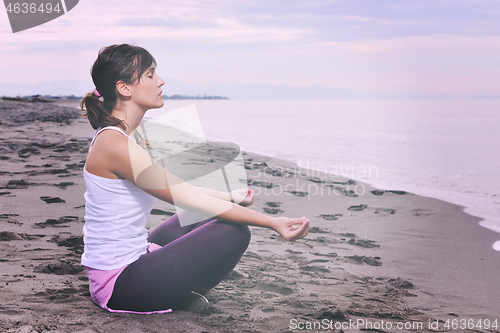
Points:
[[102, 283]]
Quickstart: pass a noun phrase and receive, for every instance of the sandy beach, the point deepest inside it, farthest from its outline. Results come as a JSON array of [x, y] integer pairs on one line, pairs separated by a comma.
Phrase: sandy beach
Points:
[[372, 257]]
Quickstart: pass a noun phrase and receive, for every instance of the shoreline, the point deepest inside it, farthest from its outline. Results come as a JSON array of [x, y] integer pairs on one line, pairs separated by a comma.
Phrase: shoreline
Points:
[[400, 258], [444, 220]]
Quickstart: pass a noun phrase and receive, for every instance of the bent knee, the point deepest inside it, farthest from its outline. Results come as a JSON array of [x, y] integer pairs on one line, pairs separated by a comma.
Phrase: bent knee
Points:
[[246, 233], [240, 232]]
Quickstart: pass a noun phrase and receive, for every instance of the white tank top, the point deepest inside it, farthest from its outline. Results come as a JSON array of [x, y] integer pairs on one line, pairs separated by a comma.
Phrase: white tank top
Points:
[[116, 211]]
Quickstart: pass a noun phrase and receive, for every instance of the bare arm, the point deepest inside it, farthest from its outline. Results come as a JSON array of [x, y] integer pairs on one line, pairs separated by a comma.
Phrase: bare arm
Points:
[[242, 197], [126, 159]]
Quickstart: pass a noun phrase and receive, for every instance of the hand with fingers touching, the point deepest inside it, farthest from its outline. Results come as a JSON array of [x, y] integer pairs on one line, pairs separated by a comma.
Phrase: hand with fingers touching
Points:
[[291, 229], [243, 197]]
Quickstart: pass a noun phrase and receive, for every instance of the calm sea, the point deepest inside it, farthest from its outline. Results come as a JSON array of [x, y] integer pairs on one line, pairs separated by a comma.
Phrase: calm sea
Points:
[[442, 148]]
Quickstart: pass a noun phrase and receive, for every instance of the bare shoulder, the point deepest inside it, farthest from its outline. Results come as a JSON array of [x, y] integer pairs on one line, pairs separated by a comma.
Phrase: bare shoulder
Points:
[[109, 155], [110, 141]]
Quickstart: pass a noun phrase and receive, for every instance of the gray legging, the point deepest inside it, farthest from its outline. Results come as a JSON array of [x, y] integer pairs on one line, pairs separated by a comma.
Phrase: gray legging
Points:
[[198, 255]]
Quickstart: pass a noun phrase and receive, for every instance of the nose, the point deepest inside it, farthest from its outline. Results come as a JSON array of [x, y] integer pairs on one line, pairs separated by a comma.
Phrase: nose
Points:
[[161, 82]]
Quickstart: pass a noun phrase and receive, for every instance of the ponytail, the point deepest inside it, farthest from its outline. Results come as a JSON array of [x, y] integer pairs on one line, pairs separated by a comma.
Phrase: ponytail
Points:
[[97, 113]]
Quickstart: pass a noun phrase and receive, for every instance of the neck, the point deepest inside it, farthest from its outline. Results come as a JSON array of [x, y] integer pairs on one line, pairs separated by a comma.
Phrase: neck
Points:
[[130, 114]]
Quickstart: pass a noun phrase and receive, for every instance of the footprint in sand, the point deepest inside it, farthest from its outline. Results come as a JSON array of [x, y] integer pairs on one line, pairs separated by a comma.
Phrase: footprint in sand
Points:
[[314, 269], [63, 185], [60, 172], [421, 212], [363, 243], [357, 208], [350, 193], [50, 200], [257, 165], [11, 218], [26, 152], [68, 240], [398, 192], [156, 211], [267, 184], [377, 192], [330, 255], [349, 234], [298, 193], [233, 275], [272, 210], [316, 180], [372, 261], [337, 189], [399, 283], [59, 223], [43, 144], [385, 211], [9, 236], [75, 166], [269, 287], [59, 157], [316, 230], [251, 182], [17, 184], [274, 172], [330, 217], [318, 260], [349, 182], [273, 207], [380, 192], [6, 216], [60, 268], [331, 314], [61, 295]]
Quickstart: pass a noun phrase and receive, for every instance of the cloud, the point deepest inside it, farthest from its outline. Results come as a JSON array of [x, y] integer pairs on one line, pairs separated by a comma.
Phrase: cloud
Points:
[[332, 43], [402, 45]]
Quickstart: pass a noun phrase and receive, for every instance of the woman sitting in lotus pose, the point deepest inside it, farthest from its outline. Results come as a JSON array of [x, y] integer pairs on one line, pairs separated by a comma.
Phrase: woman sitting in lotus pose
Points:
[[173, 266]]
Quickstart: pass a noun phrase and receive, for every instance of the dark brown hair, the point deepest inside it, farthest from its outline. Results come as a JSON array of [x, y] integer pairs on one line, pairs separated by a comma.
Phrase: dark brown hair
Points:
[[114, 63]]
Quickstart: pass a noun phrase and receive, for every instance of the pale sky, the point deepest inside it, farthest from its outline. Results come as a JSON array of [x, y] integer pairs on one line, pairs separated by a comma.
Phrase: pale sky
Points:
[[424, 47]]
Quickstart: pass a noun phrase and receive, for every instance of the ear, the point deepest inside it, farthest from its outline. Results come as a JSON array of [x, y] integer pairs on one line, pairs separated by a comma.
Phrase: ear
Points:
[[123, 89]]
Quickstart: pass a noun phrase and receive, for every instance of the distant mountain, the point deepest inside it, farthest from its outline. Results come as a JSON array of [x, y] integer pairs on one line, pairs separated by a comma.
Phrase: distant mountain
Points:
[[174, 87], [262, 91], [193, 97]]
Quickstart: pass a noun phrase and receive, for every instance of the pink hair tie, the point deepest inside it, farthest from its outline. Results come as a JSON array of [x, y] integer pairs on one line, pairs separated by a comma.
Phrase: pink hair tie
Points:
[[98, 95]]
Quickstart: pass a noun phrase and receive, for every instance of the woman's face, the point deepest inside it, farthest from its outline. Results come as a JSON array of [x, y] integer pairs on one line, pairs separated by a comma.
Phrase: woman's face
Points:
[[147, 92]]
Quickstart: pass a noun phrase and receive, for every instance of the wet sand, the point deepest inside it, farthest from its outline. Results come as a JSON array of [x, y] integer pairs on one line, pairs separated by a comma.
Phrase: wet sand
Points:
[[372, 255]]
